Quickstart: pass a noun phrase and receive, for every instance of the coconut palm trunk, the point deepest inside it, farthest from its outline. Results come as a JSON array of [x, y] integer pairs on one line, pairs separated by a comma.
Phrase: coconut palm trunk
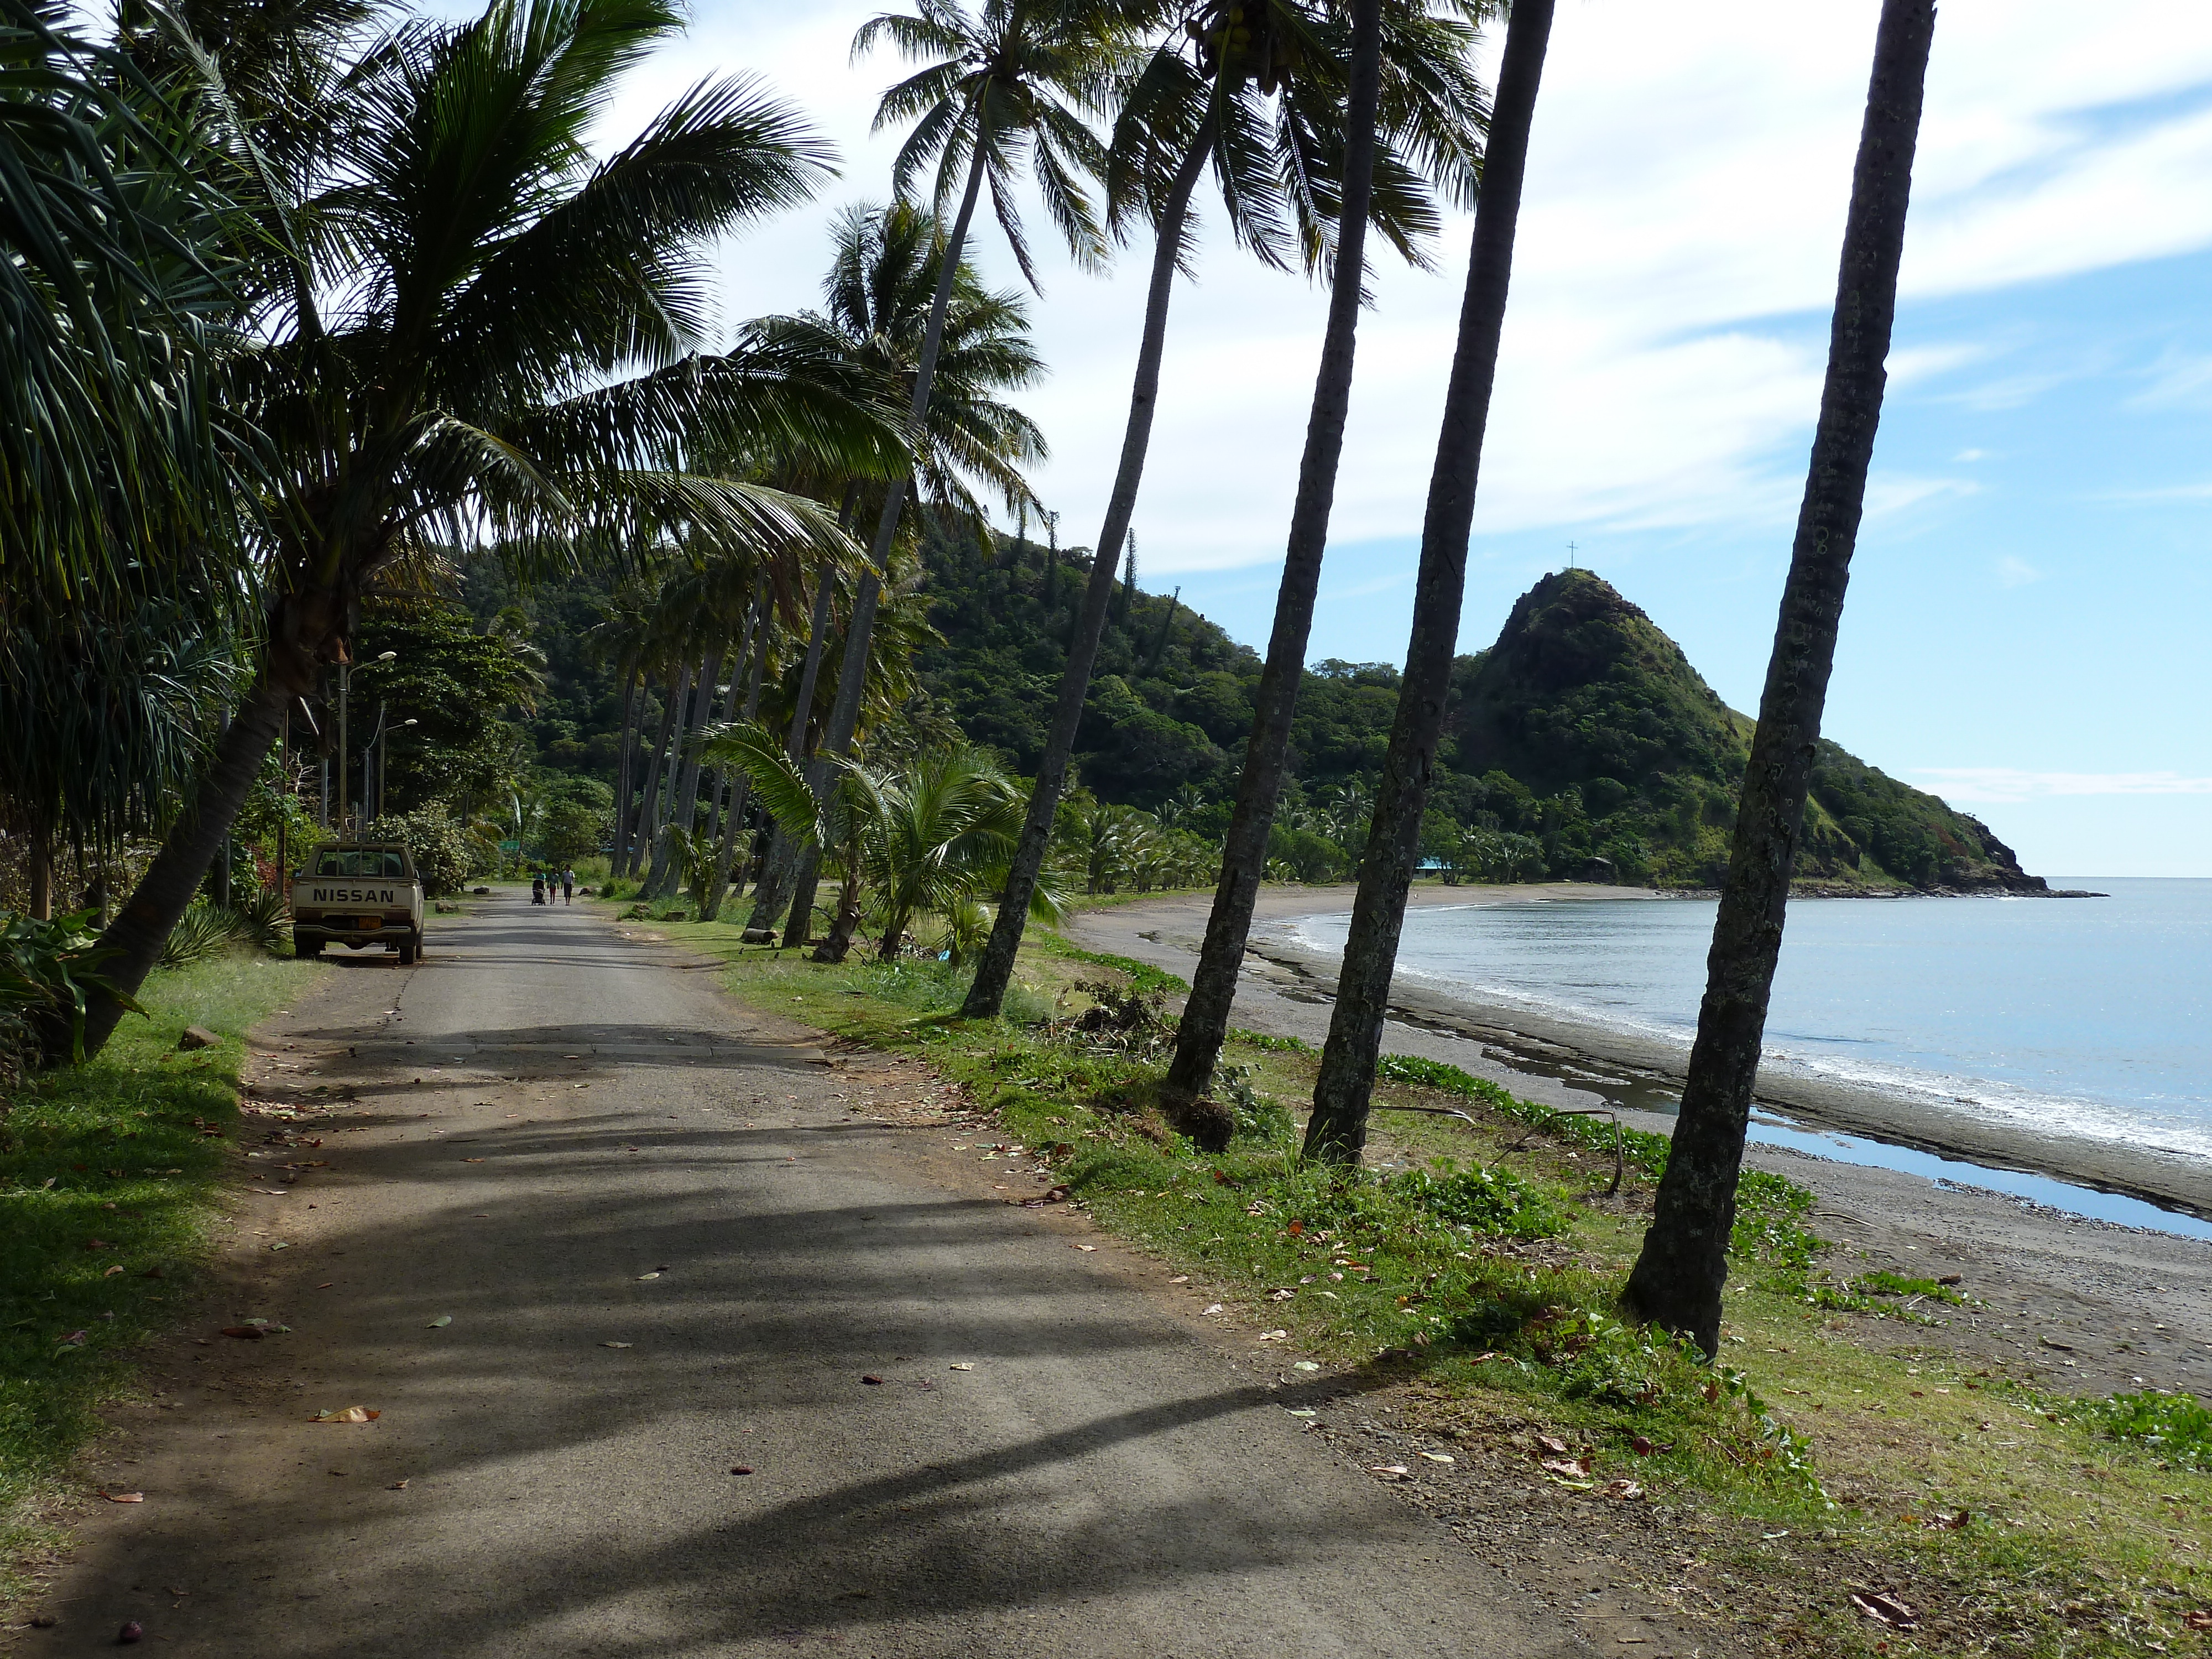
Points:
[[143, 925], [649, 806], [782, 868], [1338, 1127], [995, 970], [1678, 1278], [684, 795], [1205, 1022], [853, 671], [625, 764], [733, 825]]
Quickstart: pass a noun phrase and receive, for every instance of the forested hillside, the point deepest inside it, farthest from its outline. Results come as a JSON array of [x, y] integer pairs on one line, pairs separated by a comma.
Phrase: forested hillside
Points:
[[1582, 743]]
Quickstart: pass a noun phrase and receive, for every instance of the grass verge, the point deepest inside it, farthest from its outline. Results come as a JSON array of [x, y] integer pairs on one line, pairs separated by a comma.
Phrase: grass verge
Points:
[[1857, 1488], [108, 1174]]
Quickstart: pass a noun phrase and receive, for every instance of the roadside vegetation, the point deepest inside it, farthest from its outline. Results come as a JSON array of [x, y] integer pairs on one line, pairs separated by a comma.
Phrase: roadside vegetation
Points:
[[1472, 1269], [109, 1175]]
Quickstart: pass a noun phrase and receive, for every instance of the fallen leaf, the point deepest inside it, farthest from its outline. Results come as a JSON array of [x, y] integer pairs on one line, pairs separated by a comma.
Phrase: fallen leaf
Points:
[[1440, 1457], [1273, 1296], [872, 1380], [1563, 1466], [616, 1345], [1083, 1246], [1551, 1444], [111, 1273], [397, 1485], [1180, 1279], [2201, 1620], [98, 1245], [1391, 1471], [1949, 1522], [1483, 1358], [1624, 1490], [440, 1322], [348, 1414], [478, 1160], [642, 1278], [1212, 1309], [124, 1496], [1301, 1411], [741, 1468], [1304, 1365], [1884, 1610], [1640, 1446], [963, 1365], [1273, 1336], [280, 1247]]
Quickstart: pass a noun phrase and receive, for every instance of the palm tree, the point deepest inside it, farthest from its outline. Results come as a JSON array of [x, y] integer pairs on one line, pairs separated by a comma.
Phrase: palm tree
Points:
[[879, 298], [1338, 1127], [923, 837], [468, 283], [1678, 1276], [1008, 85], [1259, 91], [116, 651]]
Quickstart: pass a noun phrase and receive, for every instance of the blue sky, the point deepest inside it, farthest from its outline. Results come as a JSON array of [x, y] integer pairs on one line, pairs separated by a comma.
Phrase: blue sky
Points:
[[2023, 630]]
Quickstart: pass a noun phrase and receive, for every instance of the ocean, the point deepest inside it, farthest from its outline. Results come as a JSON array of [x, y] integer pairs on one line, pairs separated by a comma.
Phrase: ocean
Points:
[[2088, 1017]]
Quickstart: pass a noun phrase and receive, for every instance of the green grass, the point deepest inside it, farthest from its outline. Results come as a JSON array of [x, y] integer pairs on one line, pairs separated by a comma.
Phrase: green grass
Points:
[[1480, 1264], [108, 1166]]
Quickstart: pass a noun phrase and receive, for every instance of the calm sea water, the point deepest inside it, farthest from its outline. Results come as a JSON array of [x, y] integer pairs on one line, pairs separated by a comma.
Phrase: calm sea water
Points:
[[2085, 1017]]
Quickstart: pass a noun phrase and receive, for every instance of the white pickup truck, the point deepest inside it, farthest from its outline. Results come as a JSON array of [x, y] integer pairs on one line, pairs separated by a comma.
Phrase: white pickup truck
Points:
[[358, 893]]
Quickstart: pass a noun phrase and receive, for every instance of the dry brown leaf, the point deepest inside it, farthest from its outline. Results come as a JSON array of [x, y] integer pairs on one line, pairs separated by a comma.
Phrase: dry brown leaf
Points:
[[347, 1414], [1624, 1489], [1885, 1610], [124, 1496]]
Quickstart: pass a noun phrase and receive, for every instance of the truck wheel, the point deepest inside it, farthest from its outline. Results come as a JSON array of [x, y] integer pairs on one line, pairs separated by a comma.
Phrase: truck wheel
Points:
[[407, 949], [307, 947]]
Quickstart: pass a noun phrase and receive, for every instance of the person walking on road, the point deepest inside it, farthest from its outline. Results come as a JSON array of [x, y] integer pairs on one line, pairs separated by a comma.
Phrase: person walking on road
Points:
[[567, 885], [538, 887]]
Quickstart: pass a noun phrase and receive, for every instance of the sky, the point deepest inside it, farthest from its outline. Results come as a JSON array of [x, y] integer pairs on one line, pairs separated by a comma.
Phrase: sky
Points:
[[2024, 631]]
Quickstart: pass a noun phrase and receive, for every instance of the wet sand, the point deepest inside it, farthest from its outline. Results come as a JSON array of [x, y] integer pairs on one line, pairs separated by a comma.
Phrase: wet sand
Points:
[[2076, 1302]]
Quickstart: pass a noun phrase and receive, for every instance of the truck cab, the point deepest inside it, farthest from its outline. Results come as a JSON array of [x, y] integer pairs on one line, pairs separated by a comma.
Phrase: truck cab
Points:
[[358, 894]]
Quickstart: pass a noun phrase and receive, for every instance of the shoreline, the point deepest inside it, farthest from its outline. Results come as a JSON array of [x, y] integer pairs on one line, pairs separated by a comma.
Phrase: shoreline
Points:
[[1291, 984]]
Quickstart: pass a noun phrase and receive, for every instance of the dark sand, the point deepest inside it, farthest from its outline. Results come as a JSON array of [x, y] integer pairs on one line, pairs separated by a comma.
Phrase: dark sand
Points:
[[2084, 1305]]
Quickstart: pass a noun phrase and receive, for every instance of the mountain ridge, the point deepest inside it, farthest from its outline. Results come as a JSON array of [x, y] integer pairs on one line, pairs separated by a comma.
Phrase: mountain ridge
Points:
[[1582, 743]]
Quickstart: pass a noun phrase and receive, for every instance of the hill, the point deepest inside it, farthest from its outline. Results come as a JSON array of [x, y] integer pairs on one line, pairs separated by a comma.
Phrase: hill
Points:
[[1580, 742]]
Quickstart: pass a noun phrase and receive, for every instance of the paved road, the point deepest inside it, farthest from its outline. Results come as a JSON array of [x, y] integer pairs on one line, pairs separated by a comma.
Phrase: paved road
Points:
[[535, 1121]]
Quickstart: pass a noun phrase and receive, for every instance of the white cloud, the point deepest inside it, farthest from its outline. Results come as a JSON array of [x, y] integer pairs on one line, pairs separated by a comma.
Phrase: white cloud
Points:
[[2015, 572], [1997, 785], [1687, 190]]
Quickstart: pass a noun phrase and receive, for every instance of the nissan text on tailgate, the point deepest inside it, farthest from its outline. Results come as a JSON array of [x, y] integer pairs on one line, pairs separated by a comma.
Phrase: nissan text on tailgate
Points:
[[358, 893]]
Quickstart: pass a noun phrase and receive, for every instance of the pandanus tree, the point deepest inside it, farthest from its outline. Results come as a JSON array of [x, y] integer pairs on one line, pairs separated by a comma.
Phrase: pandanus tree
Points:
[[476, 327], [120, 612], [1005, 90], [1262, 93], [1680, 1272], [1441, 50], [1344, 1086], [879, 299]]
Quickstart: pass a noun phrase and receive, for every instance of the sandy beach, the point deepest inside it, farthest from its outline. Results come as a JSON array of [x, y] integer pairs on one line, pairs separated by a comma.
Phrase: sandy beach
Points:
[[2079, 1301]]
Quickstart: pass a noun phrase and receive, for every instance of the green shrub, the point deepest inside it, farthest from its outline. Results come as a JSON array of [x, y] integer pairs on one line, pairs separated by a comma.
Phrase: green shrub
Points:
[[1491, 1200], [202, 931], [435, 840], [2176, 1428]]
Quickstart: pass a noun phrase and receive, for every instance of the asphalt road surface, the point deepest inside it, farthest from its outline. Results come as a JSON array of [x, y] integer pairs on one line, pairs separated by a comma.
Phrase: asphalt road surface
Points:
[[672, 1242]]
